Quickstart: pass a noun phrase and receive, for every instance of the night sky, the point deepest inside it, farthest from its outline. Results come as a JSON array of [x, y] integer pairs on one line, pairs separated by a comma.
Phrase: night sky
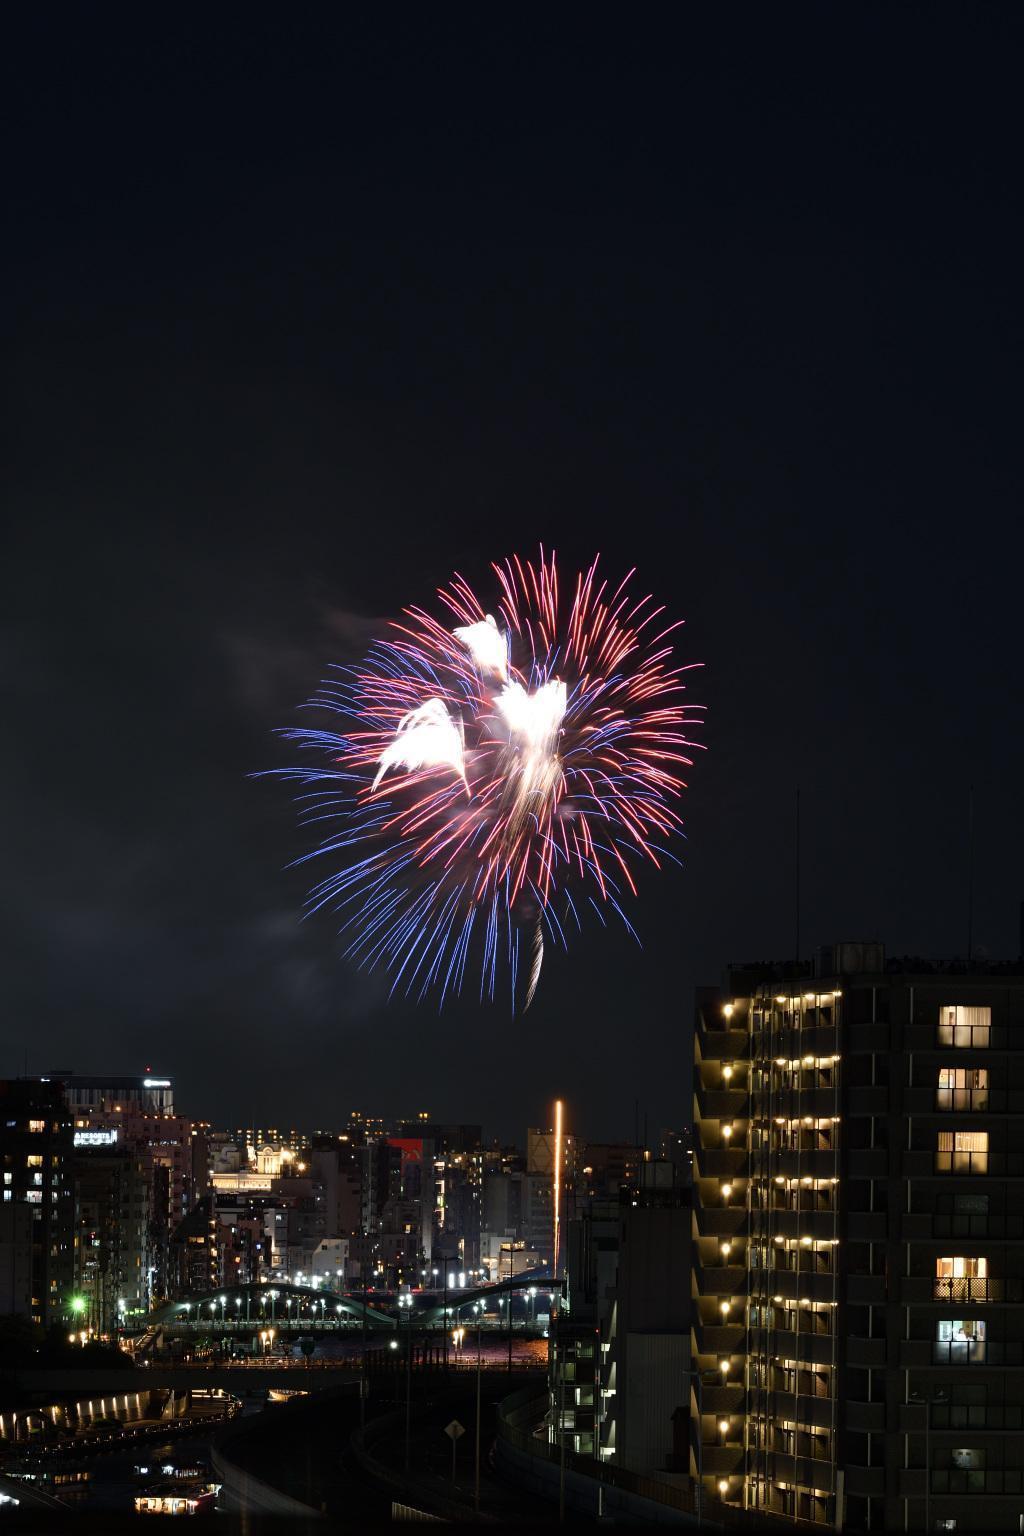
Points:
[[301, 314]]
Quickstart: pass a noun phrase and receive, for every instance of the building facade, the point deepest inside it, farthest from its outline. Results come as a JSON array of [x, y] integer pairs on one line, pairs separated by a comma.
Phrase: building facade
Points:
[[35, 1155], [858, 1271]]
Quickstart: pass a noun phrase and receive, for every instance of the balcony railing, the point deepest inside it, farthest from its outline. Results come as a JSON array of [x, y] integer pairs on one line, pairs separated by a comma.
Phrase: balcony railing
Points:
[[970, 1037], [963, 1099], [963, 1288], [977, 1352], [963, 1480], [962, 1162], [994, 1416]]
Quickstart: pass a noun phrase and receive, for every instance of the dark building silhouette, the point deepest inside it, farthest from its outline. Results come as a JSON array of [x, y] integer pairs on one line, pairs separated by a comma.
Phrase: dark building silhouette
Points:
[[35, 1153]]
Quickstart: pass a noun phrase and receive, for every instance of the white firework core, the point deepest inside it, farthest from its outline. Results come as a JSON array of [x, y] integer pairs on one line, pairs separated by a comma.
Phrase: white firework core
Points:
[[535, 718], [427, 737], [486, 644]]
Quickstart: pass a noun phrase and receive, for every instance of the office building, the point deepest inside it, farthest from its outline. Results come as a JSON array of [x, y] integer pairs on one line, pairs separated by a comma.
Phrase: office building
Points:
[[858, 1270]]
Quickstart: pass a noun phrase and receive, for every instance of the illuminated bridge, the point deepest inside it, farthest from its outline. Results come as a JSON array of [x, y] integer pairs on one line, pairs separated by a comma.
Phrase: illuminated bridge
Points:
[[286, 1308]]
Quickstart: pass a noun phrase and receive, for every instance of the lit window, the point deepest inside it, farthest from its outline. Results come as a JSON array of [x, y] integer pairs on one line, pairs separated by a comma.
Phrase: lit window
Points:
[[962, 1278], [37, 1126], [962, 1152], [965, 1027], [962, 1088], [959, 1341], [34, 1160]]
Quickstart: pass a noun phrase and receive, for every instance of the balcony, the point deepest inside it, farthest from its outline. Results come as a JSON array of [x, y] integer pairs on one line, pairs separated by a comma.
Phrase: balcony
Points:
[[867, 1226], [814, 1348], [719, 1220], [968, 1163], [816, 1164], [915, 1353], [866, 1290], [865, 1354], [721, 1460], [819, 1224], [919, 1289], [794, 1284], [720, 1162], [872, 1100], [721, 1279], [722, 1044], [718, 1338], [912, 1482], [866, 1482], [868, 1163], [865, 1418], [809, 1471], [871, 1038], [803, 1408], [716, 1398], [719, 1103]]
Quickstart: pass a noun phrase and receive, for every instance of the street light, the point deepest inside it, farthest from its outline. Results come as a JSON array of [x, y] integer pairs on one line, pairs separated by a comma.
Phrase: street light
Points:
[[273, 1307], [940, 1397], [478, 1307], [406, 1301]]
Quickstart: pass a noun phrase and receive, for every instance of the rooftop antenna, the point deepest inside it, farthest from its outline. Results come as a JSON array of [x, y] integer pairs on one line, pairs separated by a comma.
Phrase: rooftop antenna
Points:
[[970, 872]]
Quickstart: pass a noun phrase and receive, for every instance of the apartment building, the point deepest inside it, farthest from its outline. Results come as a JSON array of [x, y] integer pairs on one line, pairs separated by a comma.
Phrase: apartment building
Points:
[[858, 1270]]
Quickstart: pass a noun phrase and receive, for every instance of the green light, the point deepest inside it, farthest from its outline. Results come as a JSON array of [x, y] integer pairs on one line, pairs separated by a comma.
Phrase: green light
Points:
[[78, 1305]]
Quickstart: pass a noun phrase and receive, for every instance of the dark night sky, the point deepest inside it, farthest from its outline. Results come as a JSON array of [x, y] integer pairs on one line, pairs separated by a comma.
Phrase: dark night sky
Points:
[[301, 314]]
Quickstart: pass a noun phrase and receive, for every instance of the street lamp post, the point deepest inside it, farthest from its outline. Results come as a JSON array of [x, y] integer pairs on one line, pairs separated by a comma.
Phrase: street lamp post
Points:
[[407, 1301], [444, 1333], [928, 1402], [479, 1365]]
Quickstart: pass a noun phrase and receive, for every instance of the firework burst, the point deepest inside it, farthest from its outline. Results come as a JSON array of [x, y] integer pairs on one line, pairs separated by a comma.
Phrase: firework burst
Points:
[[496, 776]]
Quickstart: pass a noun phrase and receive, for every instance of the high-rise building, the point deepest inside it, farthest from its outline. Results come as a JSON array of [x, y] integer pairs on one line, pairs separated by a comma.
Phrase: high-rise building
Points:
[[859, 1242], [619, 1367], [113, 1236], [35, 1155], [152, 1091], [539, 1189]]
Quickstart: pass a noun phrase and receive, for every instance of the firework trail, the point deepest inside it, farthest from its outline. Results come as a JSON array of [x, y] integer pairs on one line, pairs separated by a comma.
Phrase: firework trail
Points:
[[496, 776]]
